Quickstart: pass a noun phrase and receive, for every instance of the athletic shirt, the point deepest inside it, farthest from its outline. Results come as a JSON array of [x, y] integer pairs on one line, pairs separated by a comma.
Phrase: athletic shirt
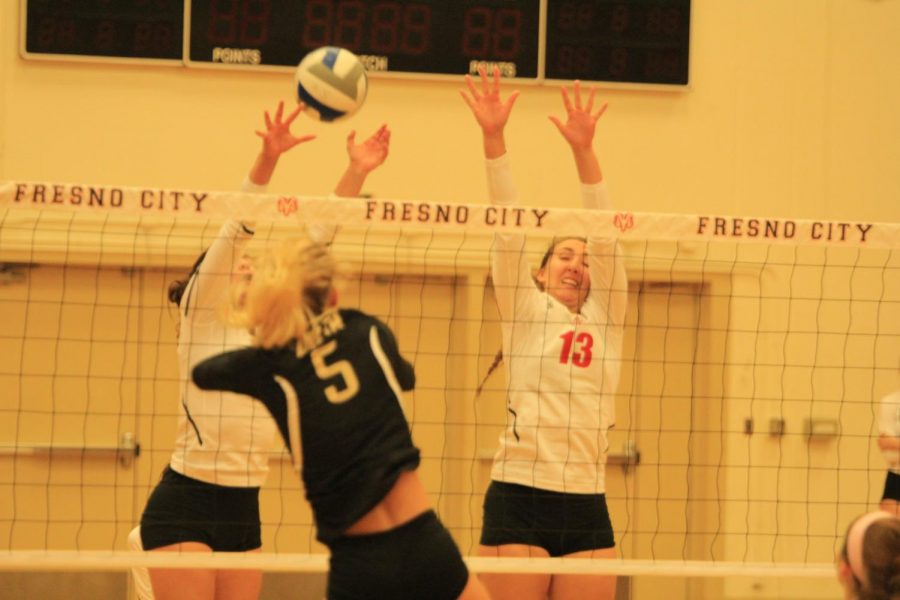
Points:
[[221, 438], [562, 368], [337, 395], [889, 425]]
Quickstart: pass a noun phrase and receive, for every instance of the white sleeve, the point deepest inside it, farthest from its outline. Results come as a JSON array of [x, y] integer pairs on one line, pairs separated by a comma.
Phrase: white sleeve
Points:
[[606, 261], [317, 232], [253, 188], [510, 271], [323, 233], [208, 288], [889, 415], [501, 188]]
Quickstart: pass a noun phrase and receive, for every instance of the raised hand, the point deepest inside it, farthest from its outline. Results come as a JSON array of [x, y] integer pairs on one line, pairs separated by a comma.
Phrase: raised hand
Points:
[[489, 109], [581, 119], [372, 152], [277, 138]]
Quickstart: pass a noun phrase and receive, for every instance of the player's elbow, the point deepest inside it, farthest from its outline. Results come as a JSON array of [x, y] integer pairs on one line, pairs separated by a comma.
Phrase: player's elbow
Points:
[[407, 377], [201, 376]]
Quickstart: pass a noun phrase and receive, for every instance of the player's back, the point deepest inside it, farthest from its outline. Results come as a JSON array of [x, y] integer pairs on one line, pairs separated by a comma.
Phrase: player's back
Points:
[[349, 376]]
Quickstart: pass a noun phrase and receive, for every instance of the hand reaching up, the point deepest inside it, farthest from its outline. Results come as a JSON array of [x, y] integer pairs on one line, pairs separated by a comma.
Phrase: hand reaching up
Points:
[[370, 153], [490, 110], [277, 138], [581, 120]]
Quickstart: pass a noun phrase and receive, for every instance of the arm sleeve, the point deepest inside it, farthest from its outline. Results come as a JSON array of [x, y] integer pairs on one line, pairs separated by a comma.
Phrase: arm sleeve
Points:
[[510, 272], [406, 374], [253, 188], [248, 371], [209, 286], [609, 282], [323, 233], [889, 415]]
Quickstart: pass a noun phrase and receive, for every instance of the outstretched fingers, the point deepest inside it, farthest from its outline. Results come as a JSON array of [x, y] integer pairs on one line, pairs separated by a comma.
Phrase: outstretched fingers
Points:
[[299, 109]]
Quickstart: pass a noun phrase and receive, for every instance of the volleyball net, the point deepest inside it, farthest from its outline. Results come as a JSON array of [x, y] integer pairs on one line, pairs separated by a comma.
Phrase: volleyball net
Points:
[[755, 354]]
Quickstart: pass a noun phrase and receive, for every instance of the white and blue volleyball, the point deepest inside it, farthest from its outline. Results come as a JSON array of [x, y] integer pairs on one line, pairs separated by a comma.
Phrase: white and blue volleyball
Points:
[[331, 82]]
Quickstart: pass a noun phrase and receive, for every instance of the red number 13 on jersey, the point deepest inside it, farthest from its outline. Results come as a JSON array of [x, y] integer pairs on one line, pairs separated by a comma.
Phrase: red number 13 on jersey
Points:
[[583, 342]]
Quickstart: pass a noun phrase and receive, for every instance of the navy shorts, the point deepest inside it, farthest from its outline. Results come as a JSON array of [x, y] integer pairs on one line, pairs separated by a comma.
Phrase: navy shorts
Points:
[[182, 509], [559, 523], [891, 487], [416, 560]]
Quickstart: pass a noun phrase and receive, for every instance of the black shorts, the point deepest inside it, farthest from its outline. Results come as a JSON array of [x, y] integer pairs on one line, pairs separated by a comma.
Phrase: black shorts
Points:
[[891, 487], [559, 523], [417, 560], [182, 509]]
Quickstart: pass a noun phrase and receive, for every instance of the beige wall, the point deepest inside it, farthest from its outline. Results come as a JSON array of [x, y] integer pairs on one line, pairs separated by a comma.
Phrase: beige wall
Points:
[[791, 112]]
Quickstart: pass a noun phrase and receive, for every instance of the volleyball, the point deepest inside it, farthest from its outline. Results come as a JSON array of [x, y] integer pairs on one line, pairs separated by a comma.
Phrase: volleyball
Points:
[[331, 82]]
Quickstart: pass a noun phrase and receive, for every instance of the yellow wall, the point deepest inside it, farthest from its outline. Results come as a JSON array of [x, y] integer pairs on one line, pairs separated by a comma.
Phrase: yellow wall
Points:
[[791, 112]]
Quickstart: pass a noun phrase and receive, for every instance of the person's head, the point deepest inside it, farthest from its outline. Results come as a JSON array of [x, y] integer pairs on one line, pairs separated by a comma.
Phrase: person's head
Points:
[[241, 277], [177, 287], [564, 272], [869, 562], [243, 271], [291, 285]]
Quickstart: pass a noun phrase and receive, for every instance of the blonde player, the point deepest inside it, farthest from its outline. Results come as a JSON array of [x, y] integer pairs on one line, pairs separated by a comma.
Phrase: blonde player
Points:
[[868, 566], [562, 339], [208, 497], [333, 380], [889, 442]]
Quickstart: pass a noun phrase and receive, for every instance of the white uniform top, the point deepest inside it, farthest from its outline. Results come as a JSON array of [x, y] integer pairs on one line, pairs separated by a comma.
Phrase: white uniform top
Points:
[[563, 368], [222, 438], [889, 425]]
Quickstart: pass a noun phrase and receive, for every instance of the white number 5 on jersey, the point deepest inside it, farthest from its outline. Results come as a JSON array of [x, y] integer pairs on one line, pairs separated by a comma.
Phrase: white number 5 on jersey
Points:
[[341, 368]]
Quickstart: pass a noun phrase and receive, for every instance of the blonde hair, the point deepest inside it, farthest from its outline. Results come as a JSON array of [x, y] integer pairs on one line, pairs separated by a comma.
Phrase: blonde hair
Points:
[[290, 287]]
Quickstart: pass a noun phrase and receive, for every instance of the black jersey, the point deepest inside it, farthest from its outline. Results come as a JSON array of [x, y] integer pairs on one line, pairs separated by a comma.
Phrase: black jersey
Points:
[[335, 393]]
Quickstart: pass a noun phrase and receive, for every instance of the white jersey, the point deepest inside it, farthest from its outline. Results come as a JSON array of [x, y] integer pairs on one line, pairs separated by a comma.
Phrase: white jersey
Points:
[[562, 367], [889, 425], [222, 438]]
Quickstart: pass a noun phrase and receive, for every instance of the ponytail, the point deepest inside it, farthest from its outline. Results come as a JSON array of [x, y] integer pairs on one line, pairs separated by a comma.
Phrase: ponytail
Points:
[[289, 288]]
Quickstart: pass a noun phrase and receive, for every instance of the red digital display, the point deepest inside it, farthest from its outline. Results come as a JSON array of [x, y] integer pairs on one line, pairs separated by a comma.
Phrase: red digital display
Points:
[[629, 41], [415, 36], [616, 40], [105, 28]]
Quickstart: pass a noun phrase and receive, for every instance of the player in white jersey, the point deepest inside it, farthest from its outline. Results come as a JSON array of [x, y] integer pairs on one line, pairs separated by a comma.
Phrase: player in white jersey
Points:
[[562, 339], [889, 443], [208, 497]]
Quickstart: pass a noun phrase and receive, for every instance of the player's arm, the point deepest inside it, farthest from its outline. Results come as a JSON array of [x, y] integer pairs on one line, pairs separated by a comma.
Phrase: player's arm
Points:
[[248, 371], [490, 110], [609, 285], [208, 288], [276, 140], [510, 270], [364, 157]]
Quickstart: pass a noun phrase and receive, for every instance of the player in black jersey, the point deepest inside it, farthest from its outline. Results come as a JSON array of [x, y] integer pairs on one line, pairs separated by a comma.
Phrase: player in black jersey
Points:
[[333, 380]]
